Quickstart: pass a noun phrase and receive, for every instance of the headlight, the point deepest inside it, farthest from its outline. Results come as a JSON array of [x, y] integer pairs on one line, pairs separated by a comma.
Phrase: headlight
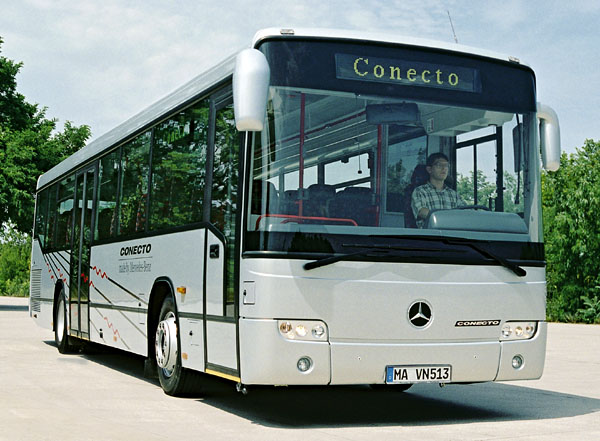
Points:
[[518, 331], [305, 330]]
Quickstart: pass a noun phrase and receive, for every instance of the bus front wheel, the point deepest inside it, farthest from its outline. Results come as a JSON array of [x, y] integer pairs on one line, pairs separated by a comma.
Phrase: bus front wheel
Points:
[[173, 377]]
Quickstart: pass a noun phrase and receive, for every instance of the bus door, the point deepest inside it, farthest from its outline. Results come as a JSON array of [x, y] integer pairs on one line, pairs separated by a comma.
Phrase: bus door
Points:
[[80, 254], [221, 241]]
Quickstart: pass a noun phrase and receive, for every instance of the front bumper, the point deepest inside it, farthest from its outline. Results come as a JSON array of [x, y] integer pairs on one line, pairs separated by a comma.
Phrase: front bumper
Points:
[[266, 357]]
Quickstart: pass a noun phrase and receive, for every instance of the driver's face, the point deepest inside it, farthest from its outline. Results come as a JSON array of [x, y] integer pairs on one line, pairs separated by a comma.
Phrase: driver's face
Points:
[[439, 170]]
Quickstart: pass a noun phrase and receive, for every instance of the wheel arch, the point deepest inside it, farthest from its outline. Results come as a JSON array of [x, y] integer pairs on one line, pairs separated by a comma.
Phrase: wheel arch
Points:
[[161, 289]]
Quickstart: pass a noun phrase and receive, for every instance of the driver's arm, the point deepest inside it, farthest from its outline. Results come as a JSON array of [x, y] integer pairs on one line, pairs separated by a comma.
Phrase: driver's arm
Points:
[[419, 204]]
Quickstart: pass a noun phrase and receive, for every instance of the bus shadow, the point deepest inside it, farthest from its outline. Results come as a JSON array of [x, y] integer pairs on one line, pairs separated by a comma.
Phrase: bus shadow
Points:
[[297, 407], [359, 406], [112, 358], [14, 308]]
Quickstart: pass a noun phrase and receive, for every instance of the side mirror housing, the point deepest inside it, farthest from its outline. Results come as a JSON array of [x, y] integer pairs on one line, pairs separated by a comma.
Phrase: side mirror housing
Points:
[[251, 78], [549, 137]]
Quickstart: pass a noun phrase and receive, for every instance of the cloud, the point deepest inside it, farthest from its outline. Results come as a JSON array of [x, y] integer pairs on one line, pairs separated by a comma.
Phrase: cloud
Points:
[[100, 62], [110, 59]]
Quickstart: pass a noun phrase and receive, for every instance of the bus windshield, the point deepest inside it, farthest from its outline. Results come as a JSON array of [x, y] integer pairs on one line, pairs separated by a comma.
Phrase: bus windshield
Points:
[[362, 156]]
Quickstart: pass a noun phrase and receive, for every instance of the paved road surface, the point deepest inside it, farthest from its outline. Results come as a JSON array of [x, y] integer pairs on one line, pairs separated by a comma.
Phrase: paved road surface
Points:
[[103, 396]]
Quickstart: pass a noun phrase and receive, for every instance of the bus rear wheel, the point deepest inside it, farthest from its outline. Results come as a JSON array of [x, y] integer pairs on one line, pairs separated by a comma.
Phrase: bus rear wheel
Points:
[[174, 378]]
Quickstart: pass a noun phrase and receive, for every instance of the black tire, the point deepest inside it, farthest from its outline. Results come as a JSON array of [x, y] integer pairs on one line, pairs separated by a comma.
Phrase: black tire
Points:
[[61, 336], [175, 381]]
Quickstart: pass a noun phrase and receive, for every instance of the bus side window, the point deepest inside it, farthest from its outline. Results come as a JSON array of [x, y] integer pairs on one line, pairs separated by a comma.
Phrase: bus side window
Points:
[[265, 198], [41, 217], [224, 194], [64, 211], [52, 215], [179, 168], [134, 185], [108, 181]]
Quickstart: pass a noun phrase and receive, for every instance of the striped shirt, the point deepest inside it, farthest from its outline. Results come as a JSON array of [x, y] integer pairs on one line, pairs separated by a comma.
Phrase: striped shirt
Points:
[[427, 196]]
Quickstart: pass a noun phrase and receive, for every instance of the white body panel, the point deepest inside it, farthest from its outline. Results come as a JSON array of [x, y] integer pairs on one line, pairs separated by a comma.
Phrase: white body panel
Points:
[[120, 285], [365, 307], [221, 344], [124, 280], [214, 281]]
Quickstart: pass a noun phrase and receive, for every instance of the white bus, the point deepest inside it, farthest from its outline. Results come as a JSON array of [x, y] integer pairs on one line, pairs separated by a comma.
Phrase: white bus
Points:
[[260, 223]]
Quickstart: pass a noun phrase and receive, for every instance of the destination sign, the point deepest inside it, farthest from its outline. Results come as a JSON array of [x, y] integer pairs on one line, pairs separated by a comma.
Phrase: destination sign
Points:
[[407, 73]]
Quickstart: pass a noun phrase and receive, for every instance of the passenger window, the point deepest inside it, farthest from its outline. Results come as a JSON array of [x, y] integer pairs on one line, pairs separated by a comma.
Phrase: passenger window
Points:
[[108, 181], [405, 172], [179, 168], [134, 185], [292, 180], [224, 195], [353, 168], [225, 173], [52, 217], [42, 216], [476, 174], [64, 212]]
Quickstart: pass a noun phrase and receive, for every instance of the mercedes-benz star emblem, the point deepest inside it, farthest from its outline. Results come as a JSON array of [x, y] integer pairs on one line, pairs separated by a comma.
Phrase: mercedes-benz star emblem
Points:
[[419, 314]]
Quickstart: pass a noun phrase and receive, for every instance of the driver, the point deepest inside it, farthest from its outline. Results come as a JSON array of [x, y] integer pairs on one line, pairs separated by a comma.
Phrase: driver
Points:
[[434, 194]]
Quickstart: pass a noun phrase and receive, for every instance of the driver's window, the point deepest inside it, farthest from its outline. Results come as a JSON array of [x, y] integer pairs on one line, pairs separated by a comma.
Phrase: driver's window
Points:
[[475, 172]]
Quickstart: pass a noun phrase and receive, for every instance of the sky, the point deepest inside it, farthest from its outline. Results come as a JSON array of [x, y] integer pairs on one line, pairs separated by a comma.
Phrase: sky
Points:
[[99, 62]]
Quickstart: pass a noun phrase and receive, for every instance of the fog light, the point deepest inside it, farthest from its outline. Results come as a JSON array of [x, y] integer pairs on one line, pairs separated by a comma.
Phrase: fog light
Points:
[[304, 364], [517, 362]]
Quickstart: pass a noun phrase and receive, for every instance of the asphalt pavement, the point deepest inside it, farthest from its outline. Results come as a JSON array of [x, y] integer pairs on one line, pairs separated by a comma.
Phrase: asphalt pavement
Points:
[[101, 394]]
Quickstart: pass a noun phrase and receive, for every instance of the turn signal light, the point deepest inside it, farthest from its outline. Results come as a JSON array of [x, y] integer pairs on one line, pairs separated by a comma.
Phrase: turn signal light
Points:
[[306, 330], [518, 331]]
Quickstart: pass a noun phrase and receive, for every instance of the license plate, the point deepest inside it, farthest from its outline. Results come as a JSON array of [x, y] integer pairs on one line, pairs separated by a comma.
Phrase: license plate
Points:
[[418, 374]]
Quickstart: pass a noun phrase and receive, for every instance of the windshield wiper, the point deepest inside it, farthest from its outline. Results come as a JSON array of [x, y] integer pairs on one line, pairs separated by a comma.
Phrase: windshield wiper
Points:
[[333, 259], [384, 249], [501, 260]]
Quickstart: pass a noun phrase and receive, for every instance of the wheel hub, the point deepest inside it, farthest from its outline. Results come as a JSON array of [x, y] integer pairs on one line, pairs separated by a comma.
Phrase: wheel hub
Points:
[[166, 343]]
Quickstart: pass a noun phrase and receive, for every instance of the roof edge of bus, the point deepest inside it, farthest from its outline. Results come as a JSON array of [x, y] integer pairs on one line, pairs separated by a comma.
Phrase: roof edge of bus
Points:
[[122, 132], [380, 37]]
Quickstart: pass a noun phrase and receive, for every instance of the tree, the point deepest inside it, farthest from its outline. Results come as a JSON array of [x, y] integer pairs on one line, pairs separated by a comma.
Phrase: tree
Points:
[[15, 248], [29, 146], [571, 202], [486, 190], [466, 189], [15, 112]]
